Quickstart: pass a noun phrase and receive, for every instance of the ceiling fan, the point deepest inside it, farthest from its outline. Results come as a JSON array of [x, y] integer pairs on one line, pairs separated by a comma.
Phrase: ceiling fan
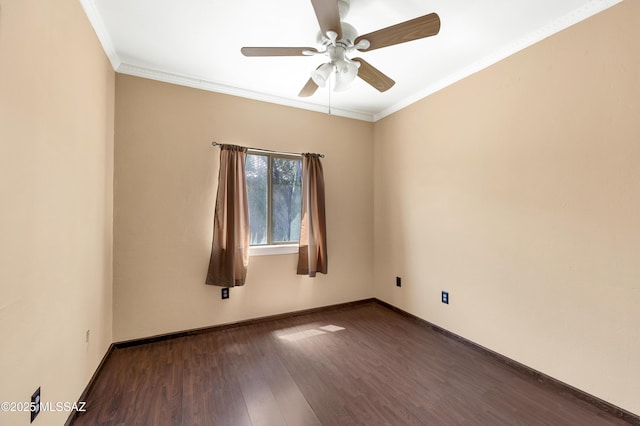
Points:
[[338, 41]]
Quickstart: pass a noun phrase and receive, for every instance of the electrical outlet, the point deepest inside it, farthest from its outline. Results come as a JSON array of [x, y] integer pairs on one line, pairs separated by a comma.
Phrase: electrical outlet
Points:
[[398, 282], [445, 297], [225, 292], [35, 403]]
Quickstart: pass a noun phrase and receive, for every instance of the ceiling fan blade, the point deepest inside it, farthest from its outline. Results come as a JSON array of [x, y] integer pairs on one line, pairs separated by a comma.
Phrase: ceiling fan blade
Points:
[[328, 16], [308, 89], [275, 51], [414, 29], [374, 76]]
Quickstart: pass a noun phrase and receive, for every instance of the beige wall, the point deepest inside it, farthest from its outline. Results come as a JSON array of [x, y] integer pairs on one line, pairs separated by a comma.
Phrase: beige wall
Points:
[[165, 182], [518, 191], [56, 178]]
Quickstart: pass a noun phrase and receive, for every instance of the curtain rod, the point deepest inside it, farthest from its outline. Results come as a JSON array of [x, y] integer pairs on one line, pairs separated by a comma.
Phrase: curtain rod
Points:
[[214, 143]]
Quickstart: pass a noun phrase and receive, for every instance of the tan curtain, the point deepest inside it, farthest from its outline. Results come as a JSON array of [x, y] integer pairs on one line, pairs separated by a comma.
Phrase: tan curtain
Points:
[[230, 248], [312, 253]]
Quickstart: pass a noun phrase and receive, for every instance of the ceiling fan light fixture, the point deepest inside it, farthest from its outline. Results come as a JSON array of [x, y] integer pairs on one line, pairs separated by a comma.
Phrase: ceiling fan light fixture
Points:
[[322, 74], [346, 73]]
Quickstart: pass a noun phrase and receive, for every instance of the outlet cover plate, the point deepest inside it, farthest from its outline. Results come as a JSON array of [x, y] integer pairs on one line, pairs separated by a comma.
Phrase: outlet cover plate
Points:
[[225, 292], [445, 297]]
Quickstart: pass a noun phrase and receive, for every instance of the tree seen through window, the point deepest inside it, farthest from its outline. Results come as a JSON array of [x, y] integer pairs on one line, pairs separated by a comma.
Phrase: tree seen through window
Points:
[[275, 198]]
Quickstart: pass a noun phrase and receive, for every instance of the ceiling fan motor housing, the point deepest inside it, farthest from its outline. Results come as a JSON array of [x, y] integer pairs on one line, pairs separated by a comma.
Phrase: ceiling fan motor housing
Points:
[[343, 8]]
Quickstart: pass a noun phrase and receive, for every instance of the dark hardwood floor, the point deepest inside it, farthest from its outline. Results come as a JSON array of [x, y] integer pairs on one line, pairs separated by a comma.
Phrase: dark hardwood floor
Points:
[[383, 368]]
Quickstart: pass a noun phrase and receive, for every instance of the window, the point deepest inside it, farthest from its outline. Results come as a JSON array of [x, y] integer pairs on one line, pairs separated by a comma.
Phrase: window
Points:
[[275, 199]]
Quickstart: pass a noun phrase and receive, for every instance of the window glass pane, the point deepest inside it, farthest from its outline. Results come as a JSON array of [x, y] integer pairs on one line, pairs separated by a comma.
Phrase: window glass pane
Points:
[[286, 199], [256, 173]]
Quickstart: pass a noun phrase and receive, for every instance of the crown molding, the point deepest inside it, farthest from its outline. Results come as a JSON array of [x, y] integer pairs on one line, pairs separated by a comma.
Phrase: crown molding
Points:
[[91, 10], [210, 86], [572, 18]]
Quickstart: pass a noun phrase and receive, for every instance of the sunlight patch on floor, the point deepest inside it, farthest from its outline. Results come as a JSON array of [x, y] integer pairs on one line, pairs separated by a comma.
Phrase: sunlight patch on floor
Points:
[[292, 337], [301, 335], [331, 328]]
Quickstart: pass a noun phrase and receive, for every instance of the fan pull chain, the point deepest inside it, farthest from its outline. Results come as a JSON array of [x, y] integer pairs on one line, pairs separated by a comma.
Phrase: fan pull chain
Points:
[[330, 80]]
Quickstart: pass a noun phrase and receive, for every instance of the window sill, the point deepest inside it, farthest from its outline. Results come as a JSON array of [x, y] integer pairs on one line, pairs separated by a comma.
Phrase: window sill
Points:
[[273, 250]]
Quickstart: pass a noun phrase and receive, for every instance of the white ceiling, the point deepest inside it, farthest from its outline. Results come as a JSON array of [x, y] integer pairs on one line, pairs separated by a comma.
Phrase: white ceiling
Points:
[[197, 43]]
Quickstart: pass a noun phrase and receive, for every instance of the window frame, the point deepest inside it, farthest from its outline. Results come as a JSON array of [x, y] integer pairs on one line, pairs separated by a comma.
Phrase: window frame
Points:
[[271, 247]]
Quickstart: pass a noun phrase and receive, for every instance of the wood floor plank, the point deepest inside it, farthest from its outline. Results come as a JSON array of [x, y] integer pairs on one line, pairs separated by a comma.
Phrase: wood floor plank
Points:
[[381, 369], [293, 405]]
